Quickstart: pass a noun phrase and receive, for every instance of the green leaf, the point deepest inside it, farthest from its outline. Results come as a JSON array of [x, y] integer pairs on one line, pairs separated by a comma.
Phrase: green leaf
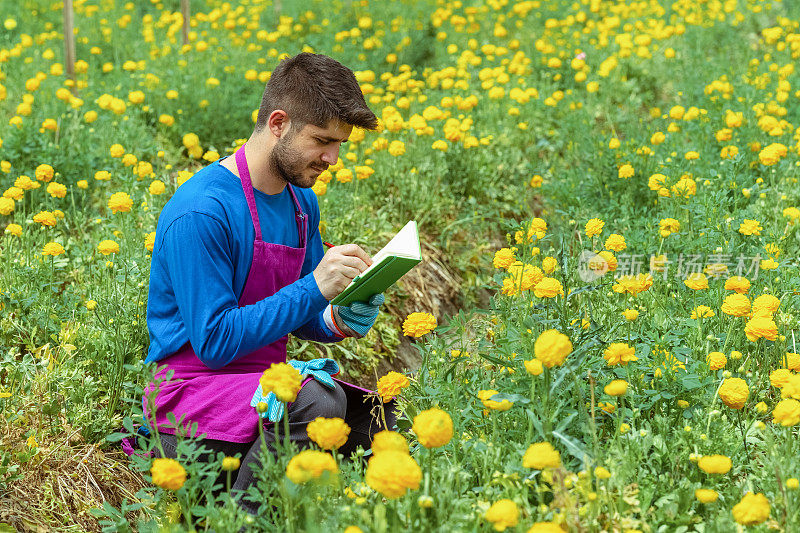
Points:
[[574, 447]]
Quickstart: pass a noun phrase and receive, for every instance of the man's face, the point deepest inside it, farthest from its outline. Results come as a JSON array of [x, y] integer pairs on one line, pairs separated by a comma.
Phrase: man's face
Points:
[[300, 157]]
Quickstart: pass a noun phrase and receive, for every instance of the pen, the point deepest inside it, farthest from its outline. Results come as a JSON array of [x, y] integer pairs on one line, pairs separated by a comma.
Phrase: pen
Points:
[[329, 245]]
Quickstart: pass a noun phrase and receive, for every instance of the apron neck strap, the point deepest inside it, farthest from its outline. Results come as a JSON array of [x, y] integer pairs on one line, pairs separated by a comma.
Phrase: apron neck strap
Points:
[[247, 187]]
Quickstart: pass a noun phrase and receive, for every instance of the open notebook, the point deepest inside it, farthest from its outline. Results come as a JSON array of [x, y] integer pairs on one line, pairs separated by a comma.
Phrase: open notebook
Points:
[[390, 264]]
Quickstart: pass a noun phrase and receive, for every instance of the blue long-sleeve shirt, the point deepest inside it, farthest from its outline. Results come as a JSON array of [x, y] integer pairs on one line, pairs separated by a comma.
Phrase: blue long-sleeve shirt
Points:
[[201, 259]]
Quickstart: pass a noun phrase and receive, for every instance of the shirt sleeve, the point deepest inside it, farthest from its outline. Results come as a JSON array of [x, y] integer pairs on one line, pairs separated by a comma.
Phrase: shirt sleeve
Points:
[[315, 329], [198, 260]]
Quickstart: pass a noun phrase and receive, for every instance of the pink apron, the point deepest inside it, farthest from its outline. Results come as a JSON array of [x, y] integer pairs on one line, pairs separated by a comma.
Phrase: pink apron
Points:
[[219, 400]]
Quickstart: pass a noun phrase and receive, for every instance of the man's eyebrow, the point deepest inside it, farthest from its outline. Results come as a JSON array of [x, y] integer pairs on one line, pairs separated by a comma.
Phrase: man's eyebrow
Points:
[[332, 139]]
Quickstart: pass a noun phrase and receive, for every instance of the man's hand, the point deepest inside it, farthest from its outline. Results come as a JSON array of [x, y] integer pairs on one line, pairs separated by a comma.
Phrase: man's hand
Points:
[[338, 267], [356, 319]]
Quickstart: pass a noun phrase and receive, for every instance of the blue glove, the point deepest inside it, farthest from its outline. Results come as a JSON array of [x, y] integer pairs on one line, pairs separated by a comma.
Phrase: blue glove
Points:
[[322, 370], [357, 319]]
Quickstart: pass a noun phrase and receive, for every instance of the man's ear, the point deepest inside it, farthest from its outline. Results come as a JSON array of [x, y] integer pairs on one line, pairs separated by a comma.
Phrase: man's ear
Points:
[[278, 123]]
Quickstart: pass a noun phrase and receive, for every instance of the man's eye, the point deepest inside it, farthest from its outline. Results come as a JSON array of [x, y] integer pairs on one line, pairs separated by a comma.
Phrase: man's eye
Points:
[[320, 141]]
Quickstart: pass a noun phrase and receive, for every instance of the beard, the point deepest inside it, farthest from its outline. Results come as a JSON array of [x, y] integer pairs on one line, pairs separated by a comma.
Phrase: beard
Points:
[[288, 163]]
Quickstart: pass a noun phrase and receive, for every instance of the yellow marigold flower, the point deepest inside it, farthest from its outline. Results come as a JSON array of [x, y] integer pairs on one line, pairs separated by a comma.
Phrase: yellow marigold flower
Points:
[[53, 249], [328, 433], [736, 305], [129, 160], [541, 456], [750, 227], [792, 483], [716, 360], [319, 187], [44, 172], [734, 392], [537, 228], [594, 227], [116, 150], [190, 140], [433, 428], [397, 148], [691, 155], [56, 190], [150, 241], [702, 311], [715, 464], [619, 353], [310, 465], [108, 247], [283, 380], [552, 348], [617, 387], [761, 408], [168, 474], [786, 413], [534, 367], [230, 463], [656, 182], [102, 175], [144, 169], [668, 226], [684, 188], [91, 305], [167, 120], [14, 229], [157, 187], [120, 202], [6, 206], [389, 441], [548, 288], [751, 510], [503, 514], [792, 387], [778, 378], [737, 284], [545, 527], [549, 264], [391, 385], [504, 257], [418, 324], [706, 495], [605, 259], [502, 405], [353, 529], [626, 171], [82, 184], [633, 284], [392, 473], [615, 243], [696, 281], [13, 192], [791, 361], [767, 303], [602, 472], [607, 407], [630, 314], [761, 326]]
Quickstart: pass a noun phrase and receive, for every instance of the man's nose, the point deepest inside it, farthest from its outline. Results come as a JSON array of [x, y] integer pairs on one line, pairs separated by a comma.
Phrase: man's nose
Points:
[[331, 155]]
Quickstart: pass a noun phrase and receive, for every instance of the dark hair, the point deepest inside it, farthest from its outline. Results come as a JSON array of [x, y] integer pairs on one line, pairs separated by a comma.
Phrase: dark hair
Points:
[[314, 89]]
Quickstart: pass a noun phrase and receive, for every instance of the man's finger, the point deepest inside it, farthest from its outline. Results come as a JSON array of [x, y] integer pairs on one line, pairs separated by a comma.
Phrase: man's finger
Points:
[[353, 262], [357, 251]]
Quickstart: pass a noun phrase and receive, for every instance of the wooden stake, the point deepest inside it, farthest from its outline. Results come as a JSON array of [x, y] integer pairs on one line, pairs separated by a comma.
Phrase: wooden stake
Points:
[[69, 41], [186, 14]]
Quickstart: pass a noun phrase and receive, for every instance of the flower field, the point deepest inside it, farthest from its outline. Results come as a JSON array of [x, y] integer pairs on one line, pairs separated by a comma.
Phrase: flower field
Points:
[[612, 184]]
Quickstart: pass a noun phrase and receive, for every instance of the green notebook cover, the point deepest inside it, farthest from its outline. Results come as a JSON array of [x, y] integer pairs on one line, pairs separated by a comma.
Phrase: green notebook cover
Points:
[[390, 267]]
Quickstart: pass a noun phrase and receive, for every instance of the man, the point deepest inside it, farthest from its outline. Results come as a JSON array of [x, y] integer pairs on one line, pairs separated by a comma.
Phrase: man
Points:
[[238, 264]]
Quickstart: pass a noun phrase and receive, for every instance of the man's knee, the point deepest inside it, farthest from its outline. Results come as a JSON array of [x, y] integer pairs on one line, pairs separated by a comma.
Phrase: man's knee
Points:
[[315, 400]]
